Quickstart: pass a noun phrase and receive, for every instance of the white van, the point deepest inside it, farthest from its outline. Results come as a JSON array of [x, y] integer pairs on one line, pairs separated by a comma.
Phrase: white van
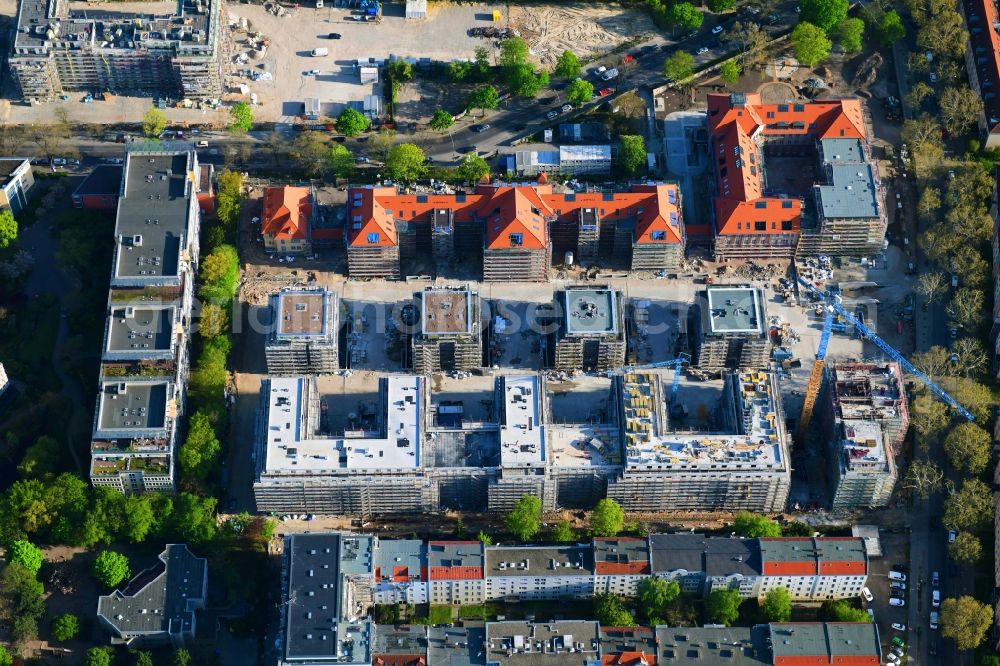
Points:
[[320, 52], [934, 620], [895, 575], [202, 144]]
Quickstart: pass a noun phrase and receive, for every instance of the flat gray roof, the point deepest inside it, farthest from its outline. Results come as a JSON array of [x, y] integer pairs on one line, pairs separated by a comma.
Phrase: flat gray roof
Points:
[[456, 646], [734, 310], [390, 639], [826, 641], [539, 561], [590, 311], [400, 559], [842, 150], [543, 644], [716, 556], [851, 192], [140, 330], [714, 646], [130, 406], [159, 599], [153, 211]]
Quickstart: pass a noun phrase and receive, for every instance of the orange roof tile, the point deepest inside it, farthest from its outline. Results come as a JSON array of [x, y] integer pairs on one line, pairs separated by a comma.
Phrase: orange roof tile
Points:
[[286, 212], [513, 211]]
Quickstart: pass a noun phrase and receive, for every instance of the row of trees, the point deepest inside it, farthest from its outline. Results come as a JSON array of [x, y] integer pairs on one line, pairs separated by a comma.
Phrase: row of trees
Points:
[[659, 601]]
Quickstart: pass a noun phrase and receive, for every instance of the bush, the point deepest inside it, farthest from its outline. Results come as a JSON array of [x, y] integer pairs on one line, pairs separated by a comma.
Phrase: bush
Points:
[[65, 627]]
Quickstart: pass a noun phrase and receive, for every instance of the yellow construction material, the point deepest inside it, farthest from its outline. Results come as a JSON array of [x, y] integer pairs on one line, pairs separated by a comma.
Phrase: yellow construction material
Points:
[[812, 392]]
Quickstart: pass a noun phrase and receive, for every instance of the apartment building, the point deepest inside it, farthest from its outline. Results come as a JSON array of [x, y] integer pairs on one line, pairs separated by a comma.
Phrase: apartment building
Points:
[[539, 572], [448, 331], [57, 50], [728, 328], [558, 643], [144, 359], [575, 160], [517, 231], [811, 569], [862, 469], [286, 220], [100, 189], [157, 608], [456, 572], [16, 179], [793, 179], [982, 62], [304, 333], [591, 329], [741, 464], [519, 402], [400, 572], [869, 392], [620, 564]]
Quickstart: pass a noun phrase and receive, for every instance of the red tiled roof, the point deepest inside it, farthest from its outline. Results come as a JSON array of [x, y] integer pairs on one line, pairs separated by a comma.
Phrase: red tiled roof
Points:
[[286, 212], [740, 205], [629, 659], [836, 660], [981, 18], [456, 573], [515, 210], [398, 660]]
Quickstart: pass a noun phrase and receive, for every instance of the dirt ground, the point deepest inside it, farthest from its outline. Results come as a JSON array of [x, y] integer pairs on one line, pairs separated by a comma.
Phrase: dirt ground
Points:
[[588, 30]]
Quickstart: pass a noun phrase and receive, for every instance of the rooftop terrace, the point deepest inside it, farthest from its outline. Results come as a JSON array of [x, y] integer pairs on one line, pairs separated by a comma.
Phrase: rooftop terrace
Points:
[[590, 311], [299, 313], [133, 408], [141, 331], [446, 312], [735, 310], [583, 445]]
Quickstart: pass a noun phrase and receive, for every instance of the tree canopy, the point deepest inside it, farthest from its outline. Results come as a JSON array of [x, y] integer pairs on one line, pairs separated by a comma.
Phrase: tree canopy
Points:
[[240, 118], [111, 568], [579, 91], [811, 44], [568, 65], [8, 229], [752, 525], [959, 109], [352, 122], [607, 519], [824, 14], [850, 33], [967, 548], [21, 602], [484, 97], [891, 28], [26, 554], [201, 448], [405, 162], [685, 16], [340, 161], [969, 447], [730, 72], [65, 627], [153, 123], [441, 121], [525, 520], [776, 605], [632, 152], [99, 656], [563, 532], [610, 612], [678, 66], [472, 168], [969, 508], [841, 611], [654, 593], [723, 606], [966, 620]]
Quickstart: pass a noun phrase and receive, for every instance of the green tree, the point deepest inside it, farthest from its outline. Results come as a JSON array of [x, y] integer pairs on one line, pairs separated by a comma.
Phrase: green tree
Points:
[[966, 548], [213, 320], [228, 199], [352, 122], [459, 71], [525, 519], [632, 152], [959, 109], [776, 605], [915, 99], [8, 229], [563, 532], [970, 507], [111, 568], [27, 554], [932, 285], [654, 593], [482, 68], [21, 602], [568, 65], [513, 52], [5, 658], [194, 518], [723, 606], [969, 447], [719, 6], [841, 611], [200, 451], [472, 168], [966, 306], [65, 627], [153, 123], [442, 121], [755, 525], [143, 658], [42, 458], [340, 161], [851, 32], [891, 28], [966, 620], [678, 66], [811, 44], [610, 612], [730, 72], [607, 519], [922, 478], [311, 152], [796, 528], [182, 657], [406, 162], [99, 656], [484, 97], [579, 91], [824, 14], [240, 118], [522, 81], [685, 16], [139, 518], [484, 538]]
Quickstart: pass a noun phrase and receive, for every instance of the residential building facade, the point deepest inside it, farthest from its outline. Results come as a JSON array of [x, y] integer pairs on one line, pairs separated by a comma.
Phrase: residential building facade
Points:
[[16, 179], [286, 220]]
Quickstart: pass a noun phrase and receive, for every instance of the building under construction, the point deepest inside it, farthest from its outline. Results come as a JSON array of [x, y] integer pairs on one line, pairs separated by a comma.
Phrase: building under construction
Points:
[[742, 464], [181, 54], [862, 469], [869, 392], [729, 329], [304, 333], [448, 333], [591, 333]]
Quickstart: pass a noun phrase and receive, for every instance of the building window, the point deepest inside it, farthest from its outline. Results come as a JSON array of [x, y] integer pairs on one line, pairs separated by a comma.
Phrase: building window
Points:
[[782, 108], [760, 226], [799, 108], [786, 226], [760, 204], [786, 204], [516, 240], [373, 238], [658, 235]]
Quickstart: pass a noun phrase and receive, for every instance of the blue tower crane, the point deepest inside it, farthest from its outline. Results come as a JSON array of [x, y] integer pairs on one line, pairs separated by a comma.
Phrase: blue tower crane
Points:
[[833, 305], [675, 388]]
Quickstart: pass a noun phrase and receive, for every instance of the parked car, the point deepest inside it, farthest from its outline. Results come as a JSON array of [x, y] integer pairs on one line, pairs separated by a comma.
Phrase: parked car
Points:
[[898, 642], [896, 585], [604, 92], [896, 575], [867, 594], [893, 658], [896, 601], [333, 35], [936, 598], [551, 114], [935, 579], [898, 626], [898, 651], [951, 533], [717, 29], [480, 128], [703, 50], [934, 620], [566, 108]]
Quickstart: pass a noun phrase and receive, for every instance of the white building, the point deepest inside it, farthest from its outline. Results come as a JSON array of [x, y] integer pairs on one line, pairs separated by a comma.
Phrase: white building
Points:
[[539, 572]]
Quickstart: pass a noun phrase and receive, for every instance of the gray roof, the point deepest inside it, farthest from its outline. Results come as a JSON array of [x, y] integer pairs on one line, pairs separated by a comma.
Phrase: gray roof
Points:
[[141, 331], [153, 212], [714, 646], [589, 311], [842, 150], [404, 639], [456, 646], [104, 180], [617, 555], [8, 165], [454, 554], [410, 554], [568, 643], [851, 192], [133, 406], [825, 640], [539, 561], [161, 598], [716, 556], [830, 555], [733, 309], [314, 594], [616, 640]]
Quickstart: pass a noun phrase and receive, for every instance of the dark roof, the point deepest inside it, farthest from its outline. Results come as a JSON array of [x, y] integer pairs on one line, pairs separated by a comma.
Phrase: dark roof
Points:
[[133, 406], [104, 180], [539, 561], [141, 331], [161, 597], [713, 646], [456, 646], [564, 643], [716, 556], [831, 642]]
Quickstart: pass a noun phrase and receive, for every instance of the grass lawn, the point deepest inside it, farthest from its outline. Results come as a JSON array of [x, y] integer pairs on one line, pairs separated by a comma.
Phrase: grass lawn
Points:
[[439, 615]]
